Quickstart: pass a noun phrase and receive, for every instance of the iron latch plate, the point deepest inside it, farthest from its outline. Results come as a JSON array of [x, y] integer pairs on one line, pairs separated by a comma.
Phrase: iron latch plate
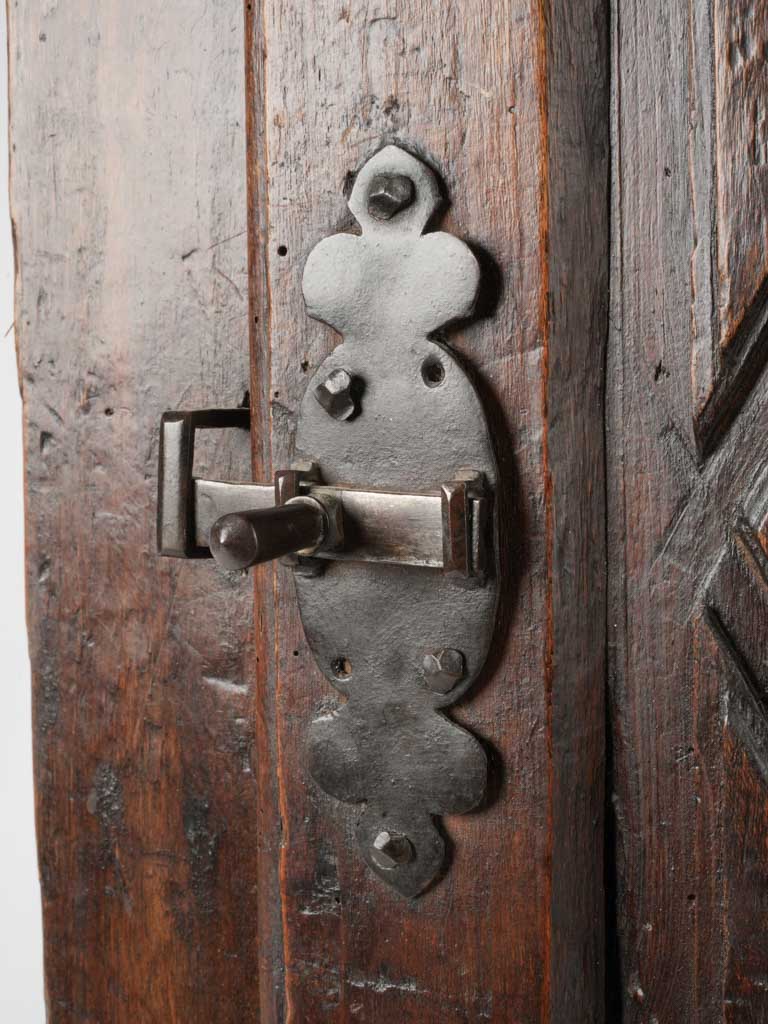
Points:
[[380, 632]]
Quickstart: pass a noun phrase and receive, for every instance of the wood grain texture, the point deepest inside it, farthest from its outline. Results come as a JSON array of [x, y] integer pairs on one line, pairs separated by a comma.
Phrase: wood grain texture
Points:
[[737, 615], [730, 174], [741, 150], [687, 474], [690, 79], [508, 101], [129, 213]]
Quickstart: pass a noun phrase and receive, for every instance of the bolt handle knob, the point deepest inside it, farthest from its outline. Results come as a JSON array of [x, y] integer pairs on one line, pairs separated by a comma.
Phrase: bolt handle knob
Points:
[[242, 539]]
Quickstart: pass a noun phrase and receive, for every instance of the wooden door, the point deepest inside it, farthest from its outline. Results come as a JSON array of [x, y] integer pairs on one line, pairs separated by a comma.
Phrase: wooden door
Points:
[[172, 167], [190, 869], [687, 421]]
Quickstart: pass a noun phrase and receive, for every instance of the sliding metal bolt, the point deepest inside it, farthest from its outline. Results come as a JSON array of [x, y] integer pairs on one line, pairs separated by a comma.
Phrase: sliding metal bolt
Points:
[[241, 539]]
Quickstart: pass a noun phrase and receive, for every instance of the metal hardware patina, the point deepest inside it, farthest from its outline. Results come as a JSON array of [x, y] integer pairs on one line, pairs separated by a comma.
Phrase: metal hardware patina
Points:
[[386, 520]]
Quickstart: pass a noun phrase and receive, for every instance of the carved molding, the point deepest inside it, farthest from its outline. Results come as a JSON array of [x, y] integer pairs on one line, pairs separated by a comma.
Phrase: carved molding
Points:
[[731, 350]]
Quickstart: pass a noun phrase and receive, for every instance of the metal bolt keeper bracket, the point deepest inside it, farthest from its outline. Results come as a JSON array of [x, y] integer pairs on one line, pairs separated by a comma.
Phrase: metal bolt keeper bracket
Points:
[[386, 519]]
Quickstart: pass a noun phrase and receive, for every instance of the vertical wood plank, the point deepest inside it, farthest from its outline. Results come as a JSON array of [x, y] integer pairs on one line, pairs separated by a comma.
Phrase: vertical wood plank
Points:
[[129, 214], [509, 102]]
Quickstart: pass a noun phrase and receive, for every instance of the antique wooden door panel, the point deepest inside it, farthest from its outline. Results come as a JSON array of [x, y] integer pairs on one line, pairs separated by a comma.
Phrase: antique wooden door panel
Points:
[[129, 212], [171, 764], [688, 500], [172, 168], [508, 102]]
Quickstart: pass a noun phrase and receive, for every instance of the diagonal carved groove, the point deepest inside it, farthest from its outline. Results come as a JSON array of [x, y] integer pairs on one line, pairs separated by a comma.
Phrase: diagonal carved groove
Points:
[[740, 367], [751, 551], [737, 594], [747, 700]]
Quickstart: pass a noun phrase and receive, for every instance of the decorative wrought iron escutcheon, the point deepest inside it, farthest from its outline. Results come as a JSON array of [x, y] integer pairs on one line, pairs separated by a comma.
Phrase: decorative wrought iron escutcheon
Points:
[[387, 519]]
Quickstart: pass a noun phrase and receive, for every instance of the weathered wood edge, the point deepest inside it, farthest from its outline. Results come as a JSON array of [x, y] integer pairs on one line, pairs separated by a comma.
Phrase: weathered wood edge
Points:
[[141, 728], [270, 920]]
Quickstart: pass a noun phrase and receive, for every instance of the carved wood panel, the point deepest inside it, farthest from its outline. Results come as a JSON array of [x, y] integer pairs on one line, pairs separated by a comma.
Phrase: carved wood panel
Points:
[[690, 87], [736, 166], [737, 616], [688, 473], [741, 154]]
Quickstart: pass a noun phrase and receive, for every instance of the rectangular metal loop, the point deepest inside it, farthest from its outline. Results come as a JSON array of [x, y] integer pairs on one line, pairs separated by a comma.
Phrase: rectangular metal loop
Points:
[[176, 516]]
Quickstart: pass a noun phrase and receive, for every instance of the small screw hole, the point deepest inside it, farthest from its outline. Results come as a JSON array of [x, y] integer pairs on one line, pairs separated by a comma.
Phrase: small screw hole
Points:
[[282, 250], [109, 411], [342, 668], [432, 372]]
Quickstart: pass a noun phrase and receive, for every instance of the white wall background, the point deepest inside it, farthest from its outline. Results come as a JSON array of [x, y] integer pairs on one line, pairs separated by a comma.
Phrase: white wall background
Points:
[[21, 968]]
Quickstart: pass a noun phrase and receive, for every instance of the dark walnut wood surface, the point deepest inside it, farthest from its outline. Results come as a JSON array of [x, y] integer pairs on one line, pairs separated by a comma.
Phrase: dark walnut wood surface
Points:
[[170, 723], [688, 499], [510, 105], [129, 212]]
